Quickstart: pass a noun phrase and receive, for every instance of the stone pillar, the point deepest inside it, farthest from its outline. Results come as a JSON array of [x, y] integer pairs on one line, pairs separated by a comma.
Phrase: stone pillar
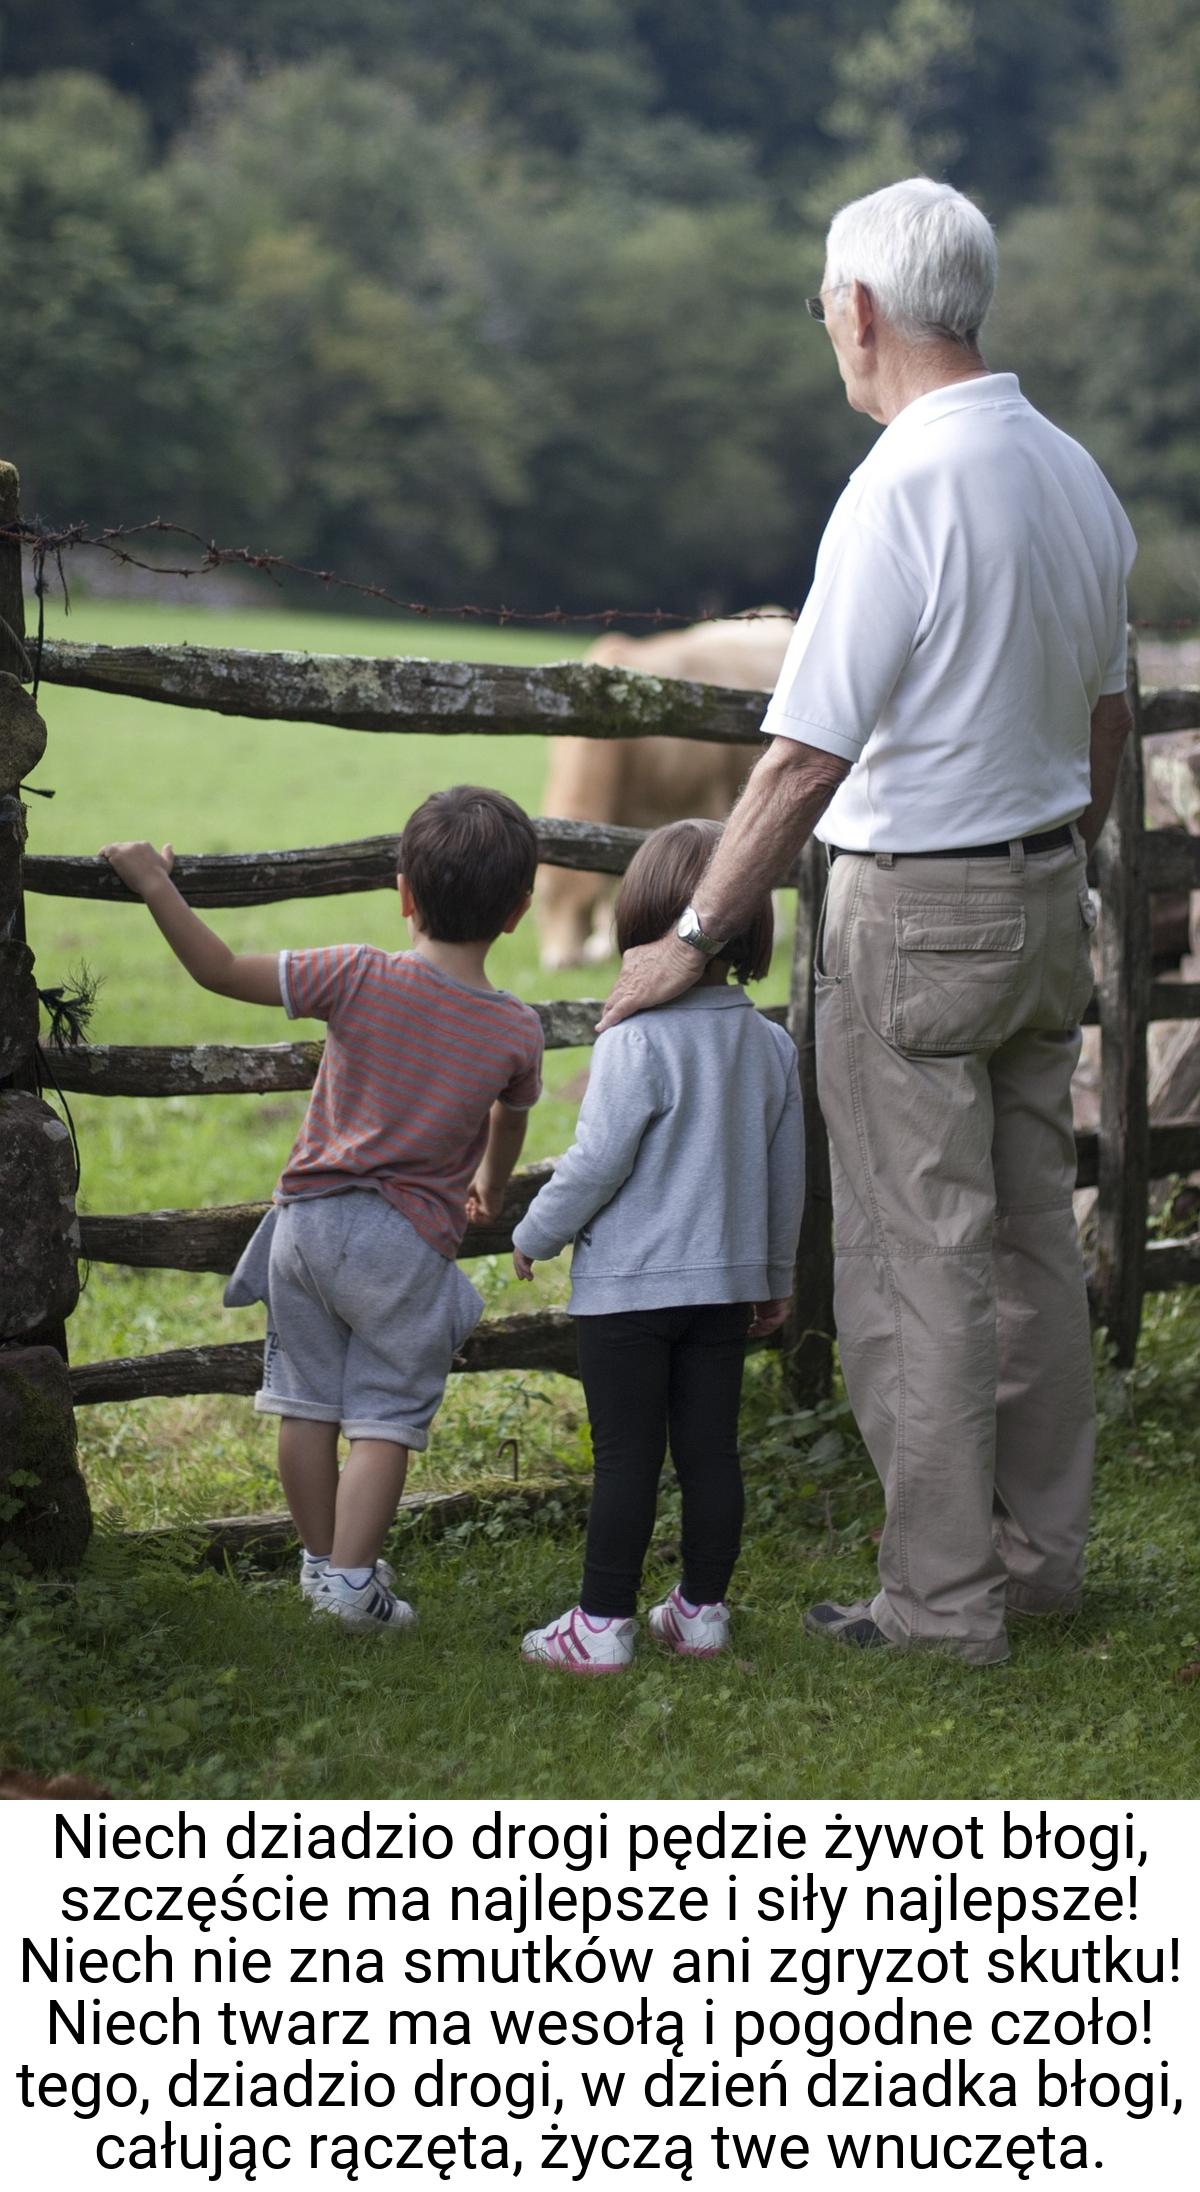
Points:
[[44, 1513]]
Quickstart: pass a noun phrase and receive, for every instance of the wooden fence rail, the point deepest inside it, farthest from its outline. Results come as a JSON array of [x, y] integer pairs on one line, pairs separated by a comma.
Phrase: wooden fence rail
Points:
[[386, 693]]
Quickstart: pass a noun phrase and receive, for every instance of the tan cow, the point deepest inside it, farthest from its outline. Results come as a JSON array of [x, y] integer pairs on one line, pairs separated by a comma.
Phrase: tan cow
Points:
[[644, 782]]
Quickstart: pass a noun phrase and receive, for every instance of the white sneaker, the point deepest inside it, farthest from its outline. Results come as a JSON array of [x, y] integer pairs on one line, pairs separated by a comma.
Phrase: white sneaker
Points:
[[697, 1635], [313, 1573], [369, 1605], [573, 1644]]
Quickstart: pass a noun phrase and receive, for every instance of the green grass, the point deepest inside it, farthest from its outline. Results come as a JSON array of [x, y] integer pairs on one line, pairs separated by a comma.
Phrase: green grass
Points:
[[162, 1679]]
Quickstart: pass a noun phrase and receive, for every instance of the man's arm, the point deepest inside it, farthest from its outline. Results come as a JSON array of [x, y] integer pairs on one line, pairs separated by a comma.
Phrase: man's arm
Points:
[[1112, 721], [252, 976], [788, 792]]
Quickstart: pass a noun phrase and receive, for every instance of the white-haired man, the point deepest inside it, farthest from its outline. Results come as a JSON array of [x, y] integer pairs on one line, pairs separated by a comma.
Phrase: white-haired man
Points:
[[951, 712]]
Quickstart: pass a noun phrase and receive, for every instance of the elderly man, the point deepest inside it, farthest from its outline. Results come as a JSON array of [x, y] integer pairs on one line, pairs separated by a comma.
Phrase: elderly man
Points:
[[951, 712]]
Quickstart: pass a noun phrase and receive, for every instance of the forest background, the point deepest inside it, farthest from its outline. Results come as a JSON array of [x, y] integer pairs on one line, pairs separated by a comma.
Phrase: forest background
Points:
[[505, 304]]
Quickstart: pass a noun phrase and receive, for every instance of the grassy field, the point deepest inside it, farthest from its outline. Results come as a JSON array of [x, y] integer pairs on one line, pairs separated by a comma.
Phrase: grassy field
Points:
[[163, 1680]]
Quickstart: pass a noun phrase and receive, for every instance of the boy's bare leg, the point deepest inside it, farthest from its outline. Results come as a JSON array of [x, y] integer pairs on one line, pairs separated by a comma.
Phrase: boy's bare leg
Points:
[[308, 1473], [368, 1495]]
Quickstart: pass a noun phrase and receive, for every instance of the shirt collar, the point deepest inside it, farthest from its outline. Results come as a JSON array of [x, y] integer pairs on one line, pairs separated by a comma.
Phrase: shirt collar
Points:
[[988, 392], [711, 999]]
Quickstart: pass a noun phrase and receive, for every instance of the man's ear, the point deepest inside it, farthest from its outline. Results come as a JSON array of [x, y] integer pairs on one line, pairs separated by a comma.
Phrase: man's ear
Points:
[[408, 904], [518, 914], [862, 311]]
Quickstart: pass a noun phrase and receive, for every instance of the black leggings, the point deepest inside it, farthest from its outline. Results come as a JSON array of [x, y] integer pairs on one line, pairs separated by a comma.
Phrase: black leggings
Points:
[[654, 1376]]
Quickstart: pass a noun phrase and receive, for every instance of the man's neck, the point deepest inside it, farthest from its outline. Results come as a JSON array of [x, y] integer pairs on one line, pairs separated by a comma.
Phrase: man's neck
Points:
[[910, 373]]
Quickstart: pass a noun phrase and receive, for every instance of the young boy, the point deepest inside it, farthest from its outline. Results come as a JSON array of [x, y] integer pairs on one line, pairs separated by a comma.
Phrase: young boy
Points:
[[415, 1122]]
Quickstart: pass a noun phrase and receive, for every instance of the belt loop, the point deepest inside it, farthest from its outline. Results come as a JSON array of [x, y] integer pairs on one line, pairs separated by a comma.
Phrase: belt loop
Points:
[[1077, 841], [884, 859], [1016, 856]]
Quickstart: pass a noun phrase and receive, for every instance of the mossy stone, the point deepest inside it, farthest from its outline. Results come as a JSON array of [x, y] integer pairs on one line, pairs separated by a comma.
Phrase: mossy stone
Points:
[[45, 1513], [22, 733]]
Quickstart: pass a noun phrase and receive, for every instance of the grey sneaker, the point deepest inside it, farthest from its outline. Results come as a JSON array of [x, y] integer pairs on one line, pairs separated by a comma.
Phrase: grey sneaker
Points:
[[846, 1624]]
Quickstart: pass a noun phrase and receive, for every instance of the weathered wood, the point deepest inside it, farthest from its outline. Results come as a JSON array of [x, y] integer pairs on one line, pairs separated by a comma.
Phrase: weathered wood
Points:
[[1173, 1145], [263, 1069], [271, 1540], [199, 1069], [315, 871], [1175, 1000], [251, 1069], [808, 1337], [22, 732], [1123, 993], [1172, 1263], [1169, 708], [14, 657], [212, 1240], [542, 1340], [407, 693]]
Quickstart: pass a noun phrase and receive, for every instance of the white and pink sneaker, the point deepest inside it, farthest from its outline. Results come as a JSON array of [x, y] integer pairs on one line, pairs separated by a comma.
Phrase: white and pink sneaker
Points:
[[695, 1632], [582, 1643]]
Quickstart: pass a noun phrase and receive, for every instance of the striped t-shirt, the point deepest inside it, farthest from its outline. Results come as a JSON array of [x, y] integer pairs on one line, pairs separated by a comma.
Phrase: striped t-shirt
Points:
[[414, 1061]]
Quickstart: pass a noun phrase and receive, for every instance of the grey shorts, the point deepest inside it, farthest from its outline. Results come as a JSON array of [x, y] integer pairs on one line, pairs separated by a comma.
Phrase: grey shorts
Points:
[[364, 1318]]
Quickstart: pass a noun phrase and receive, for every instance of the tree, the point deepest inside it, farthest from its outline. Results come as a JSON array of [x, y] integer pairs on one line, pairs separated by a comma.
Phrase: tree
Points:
[[119, 359]]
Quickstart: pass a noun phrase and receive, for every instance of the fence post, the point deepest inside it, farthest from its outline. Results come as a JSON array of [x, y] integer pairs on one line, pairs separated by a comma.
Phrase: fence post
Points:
[[808, 1339], [45, 1519], [1124, 1000]]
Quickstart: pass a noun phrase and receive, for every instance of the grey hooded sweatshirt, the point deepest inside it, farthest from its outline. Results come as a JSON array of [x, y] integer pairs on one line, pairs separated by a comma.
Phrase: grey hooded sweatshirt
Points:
[[685, 1182]]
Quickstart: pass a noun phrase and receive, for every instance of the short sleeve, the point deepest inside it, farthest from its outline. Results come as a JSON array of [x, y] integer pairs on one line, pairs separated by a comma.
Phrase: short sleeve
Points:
[[525, 1087], [1116, 669], [854, 636], [314, 983]]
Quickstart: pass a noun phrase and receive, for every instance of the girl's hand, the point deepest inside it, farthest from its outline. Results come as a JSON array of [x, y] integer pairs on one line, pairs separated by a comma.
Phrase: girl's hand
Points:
[[138, 864], [484, 1202], [768, 1316], [522, 1265]]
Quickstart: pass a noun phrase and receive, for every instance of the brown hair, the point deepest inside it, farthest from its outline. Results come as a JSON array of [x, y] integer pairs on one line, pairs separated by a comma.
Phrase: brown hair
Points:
[[661, 880], [468, 856]]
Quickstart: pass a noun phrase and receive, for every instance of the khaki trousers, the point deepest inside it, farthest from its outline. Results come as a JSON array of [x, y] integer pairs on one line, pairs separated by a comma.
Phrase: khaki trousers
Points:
[[949, 995]]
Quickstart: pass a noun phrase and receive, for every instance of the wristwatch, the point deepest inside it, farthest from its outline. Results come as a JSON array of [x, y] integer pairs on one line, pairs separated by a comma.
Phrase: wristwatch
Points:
[[689, 931]]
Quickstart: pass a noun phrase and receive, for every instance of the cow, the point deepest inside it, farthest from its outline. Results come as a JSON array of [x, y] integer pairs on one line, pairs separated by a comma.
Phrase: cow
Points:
[[644, 782]]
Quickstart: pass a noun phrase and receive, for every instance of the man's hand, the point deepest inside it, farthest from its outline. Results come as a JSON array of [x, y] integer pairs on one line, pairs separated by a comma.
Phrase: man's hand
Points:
[[768, 1316], [522, 1264], [138, 864], [651, 974], [484, 1199]]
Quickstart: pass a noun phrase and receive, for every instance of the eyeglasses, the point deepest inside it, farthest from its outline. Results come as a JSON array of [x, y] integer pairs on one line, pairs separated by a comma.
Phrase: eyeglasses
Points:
[[815, 306]]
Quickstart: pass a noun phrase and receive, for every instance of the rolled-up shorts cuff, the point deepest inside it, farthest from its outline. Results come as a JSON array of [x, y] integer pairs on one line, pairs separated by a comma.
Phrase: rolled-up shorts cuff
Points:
[[399, 1434], [310, 1411]]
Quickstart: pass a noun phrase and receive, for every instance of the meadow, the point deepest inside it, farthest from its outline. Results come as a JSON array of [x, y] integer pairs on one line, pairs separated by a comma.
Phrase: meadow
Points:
[[162, 1678]]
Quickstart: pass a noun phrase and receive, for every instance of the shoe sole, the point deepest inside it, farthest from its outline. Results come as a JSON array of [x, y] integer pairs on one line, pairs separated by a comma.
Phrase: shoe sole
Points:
[[689, 1651], [364, 1628], [569, 1666]]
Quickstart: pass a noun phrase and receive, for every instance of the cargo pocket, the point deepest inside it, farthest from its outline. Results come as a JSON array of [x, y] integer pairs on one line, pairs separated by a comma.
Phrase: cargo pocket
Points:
[[1084, 980], [958, 980]]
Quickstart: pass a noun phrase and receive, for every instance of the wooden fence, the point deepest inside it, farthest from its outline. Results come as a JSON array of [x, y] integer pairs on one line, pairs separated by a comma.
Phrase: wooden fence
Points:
[[395, 697]]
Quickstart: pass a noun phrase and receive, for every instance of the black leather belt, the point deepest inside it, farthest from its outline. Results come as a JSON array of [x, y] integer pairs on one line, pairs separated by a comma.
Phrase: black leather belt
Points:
[[1045, 841]]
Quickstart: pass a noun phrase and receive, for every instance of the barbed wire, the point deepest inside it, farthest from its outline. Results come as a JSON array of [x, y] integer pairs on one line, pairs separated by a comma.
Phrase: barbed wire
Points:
[[47, 544]]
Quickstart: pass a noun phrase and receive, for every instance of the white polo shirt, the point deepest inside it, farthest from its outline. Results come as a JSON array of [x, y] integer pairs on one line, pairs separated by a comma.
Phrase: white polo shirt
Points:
[[966, 612]]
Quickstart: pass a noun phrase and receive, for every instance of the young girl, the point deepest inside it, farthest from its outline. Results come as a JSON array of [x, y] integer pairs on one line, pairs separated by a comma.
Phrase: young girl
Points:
[[683, 1193]]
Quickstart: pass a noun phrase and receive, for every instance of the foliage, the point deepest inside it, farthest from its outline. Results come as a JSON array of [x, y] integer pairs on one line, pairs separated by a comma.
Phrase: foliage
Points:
[[505, 301]]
